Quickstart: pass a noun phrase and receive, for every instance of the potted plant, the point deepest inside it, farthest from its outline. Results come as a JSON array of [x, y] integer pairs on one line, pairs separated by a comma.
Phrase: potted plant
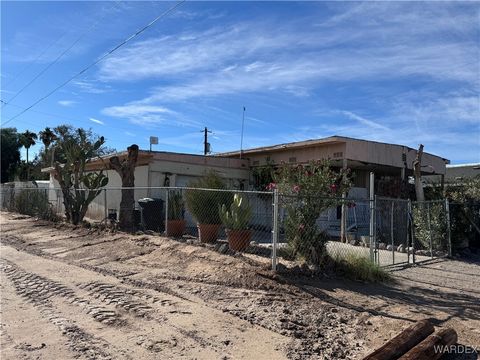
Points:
[[203, 203], [175, 221], [236, 219]]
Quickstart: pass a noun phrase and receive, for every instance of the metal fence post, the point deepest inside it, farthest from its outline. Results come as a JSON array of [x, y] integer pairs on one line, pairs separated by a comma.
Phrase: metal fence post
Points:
[[275, 230], [409, 222], [430, 230], [449, 232], [391, 233], [372, 215], [166, 210], [413, 236], [105, 210]]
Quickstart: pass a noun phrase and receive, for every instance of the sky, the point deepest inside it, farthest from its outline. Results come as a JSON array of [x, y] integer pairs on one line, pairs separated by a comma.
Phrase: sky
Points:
[[397, 72]]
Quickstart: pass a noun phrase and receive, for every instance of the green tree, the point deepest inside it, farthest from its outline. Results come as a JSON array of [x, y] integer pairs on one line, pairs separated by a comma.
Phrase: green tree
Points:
[[74, 147], [28, 139], [10, 148]]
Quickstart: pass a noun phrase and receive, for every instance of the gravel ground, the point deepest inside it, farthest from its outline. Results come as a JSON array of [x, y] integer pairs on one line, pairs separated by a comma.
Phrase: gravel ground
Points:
[[70, 292]]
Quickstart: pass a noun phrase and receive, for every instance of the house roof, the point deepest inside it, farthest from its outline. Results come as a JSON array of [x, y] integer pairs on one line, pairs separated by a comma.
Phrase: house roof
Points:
[[146, 157], [335, 139]]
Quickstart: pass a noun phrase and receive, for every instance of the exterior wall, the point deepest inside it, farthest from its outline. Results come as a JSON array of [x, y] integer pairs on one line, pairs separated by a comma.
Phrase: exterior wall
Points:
[[298, 155], [391, 155]]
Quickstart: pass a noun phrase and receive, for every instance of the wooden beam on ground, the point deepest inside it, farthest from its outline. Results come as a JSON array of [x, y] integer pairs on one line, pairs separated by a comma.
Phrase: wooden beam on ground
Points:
[[403, 342], [433, 346]]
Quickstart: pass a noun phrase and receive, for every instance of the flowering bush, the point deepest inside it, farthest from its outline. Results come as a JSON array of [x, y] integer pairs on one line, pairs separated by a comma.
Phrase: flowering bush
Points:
[[307, 191]]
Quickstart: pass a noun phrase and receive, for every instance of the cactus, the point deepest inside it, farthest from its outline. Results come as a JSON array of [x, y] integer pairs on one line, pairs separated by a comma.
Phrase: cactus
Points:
[[239, 214]]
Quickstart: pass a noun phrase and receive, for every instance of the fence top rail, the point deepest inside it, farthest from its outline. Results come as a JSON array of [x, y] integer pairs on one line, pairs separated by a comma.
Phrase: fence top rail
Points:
[[386, 198], [147, 188], [428, 201]]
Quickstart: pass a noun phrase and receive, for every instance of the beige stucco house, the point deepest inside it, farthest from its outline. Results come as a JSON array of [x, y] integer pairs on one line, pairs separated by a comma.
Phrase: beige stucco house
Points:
[[157, 169]]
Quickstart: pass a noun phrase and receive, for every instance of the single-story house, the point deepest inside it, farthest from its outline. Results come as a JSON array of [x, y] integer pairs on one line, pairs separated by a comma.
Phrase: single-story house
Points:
[[157, 169]]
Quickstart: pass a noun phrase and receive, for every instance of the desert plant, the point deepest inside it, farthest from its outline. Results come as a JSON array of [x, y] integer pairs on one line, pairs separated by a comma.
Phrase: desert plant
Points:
[[357, 267], [34, 202], [430, 225], [203, 201], [306, 192], [175, 205], [238, 215]]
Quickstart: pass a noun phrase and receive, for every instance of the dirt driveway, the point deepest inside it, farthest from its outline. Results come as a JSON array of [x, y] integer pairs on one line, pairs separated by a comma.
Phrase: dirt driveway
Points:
[[74, 293]]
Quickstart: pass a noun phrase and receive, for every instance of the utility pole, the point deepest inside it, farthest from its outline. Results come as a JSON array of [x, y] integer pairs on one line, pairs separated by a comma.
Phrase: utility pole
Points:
[[206, 145]]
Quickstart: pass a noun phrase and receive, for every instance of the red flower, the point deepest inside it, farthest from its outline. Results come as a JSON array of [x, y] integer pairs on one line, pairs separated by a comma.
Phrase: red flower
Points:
[[333, 187], [296, 188], [271, 186]]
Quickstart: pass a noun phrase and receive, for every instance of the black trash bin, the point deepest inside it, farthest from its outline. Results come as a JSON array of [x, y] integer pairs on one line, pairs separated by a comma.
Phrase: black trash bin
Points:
[[153, 215]]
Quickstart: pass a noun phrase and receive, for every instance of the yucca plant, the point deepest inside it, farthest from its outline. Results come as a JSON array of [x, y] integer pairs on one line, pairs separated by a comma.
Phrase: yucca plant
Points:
[[239, 214]]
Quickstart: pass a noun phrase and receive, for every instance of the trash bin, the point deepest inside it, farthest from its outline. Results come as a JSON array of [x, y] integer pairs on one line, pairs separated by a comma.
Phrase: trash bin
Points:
[[153, 216]]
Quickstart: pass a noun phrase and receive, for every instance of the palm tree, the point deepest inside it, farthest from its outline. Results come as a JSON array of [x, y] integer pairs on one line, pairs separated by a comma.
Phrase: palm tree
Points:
[[27, 139], [48, 137]]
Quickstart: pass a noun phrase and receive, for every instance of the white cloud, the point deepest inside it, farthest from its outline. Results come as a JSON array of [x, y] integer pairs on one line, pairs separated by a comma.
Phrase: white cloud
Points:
[[149, 115], [92, 87], [364, 121], [268, 56], [97, 121], [67, 102]]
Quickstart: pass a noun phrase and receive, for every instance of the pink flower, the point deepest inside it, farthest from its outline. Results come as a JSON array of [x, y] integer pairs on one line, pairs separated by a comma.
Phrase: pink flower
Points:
[[333, 187], [301, 227], [271, 186], [308, 173], [296, 188]]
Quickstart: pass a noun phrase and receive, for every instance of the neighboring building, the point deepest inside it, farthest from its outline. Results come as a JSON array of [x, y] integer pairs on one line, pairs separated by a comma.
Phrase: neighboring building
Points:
[[158, 169], [460, 172]]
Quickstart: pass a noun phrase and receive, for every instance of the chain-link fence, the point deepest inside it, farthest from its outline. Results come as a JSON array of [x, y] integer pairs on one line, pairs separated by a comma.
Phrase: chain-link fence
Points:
[[281, 229], [431, 229]]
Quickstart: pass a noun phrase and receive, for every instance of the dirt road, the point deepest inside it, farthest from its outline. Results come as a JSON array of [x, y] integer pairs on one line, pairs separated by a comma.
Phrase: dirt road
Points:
[[75, 293]]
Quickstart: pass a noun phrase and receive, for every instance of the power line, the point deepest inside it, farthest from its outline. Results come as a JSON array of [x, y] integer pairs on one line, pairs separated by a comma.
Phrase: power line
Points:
[[61, 55], [11, 81], [98, 60]]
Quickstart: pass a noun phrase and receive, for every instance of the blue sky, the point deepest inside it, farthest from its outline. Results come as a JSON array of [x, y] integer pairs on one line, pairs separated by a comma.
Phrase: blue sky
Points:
[[400, 72]]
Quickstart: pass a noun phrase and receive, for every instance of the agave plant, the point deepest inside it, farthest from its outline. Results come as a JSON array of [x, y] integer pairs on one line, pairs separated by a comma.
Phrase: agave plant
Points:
[[239, 214]]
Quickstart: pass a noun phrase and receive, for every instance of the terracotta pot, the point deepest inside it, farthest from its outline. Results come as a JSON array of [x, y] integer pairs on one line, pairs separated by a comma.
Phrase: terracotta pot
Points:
[[239, 240], [176, 228], [208, 233]]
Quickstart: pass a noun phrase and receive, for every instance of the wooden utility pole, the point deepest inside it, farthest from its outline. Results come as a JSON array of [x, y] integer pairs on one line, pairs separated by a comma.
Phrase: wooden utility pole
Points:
[[417, 171], [206, 148]]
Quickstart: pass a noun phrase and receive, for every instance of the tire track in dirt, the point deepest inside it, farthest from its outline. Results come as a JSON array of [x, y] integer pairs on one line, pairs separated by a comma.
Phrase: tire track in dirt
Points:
[[37, 291]]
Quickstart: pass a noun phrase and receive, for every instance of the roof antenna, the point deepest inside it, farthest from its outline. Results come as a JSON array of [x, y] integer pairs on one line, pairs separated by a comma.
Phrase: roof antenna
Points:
[[241, 138]]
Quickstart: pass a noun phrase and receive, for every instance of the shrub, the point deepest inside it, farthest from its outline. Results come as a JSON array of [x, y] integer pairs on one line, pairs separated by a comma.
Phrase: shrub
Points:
[[175, 206], [430, 225], [357, 267], [34, 202], [239, 214], [306, 192], [204, 204]]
